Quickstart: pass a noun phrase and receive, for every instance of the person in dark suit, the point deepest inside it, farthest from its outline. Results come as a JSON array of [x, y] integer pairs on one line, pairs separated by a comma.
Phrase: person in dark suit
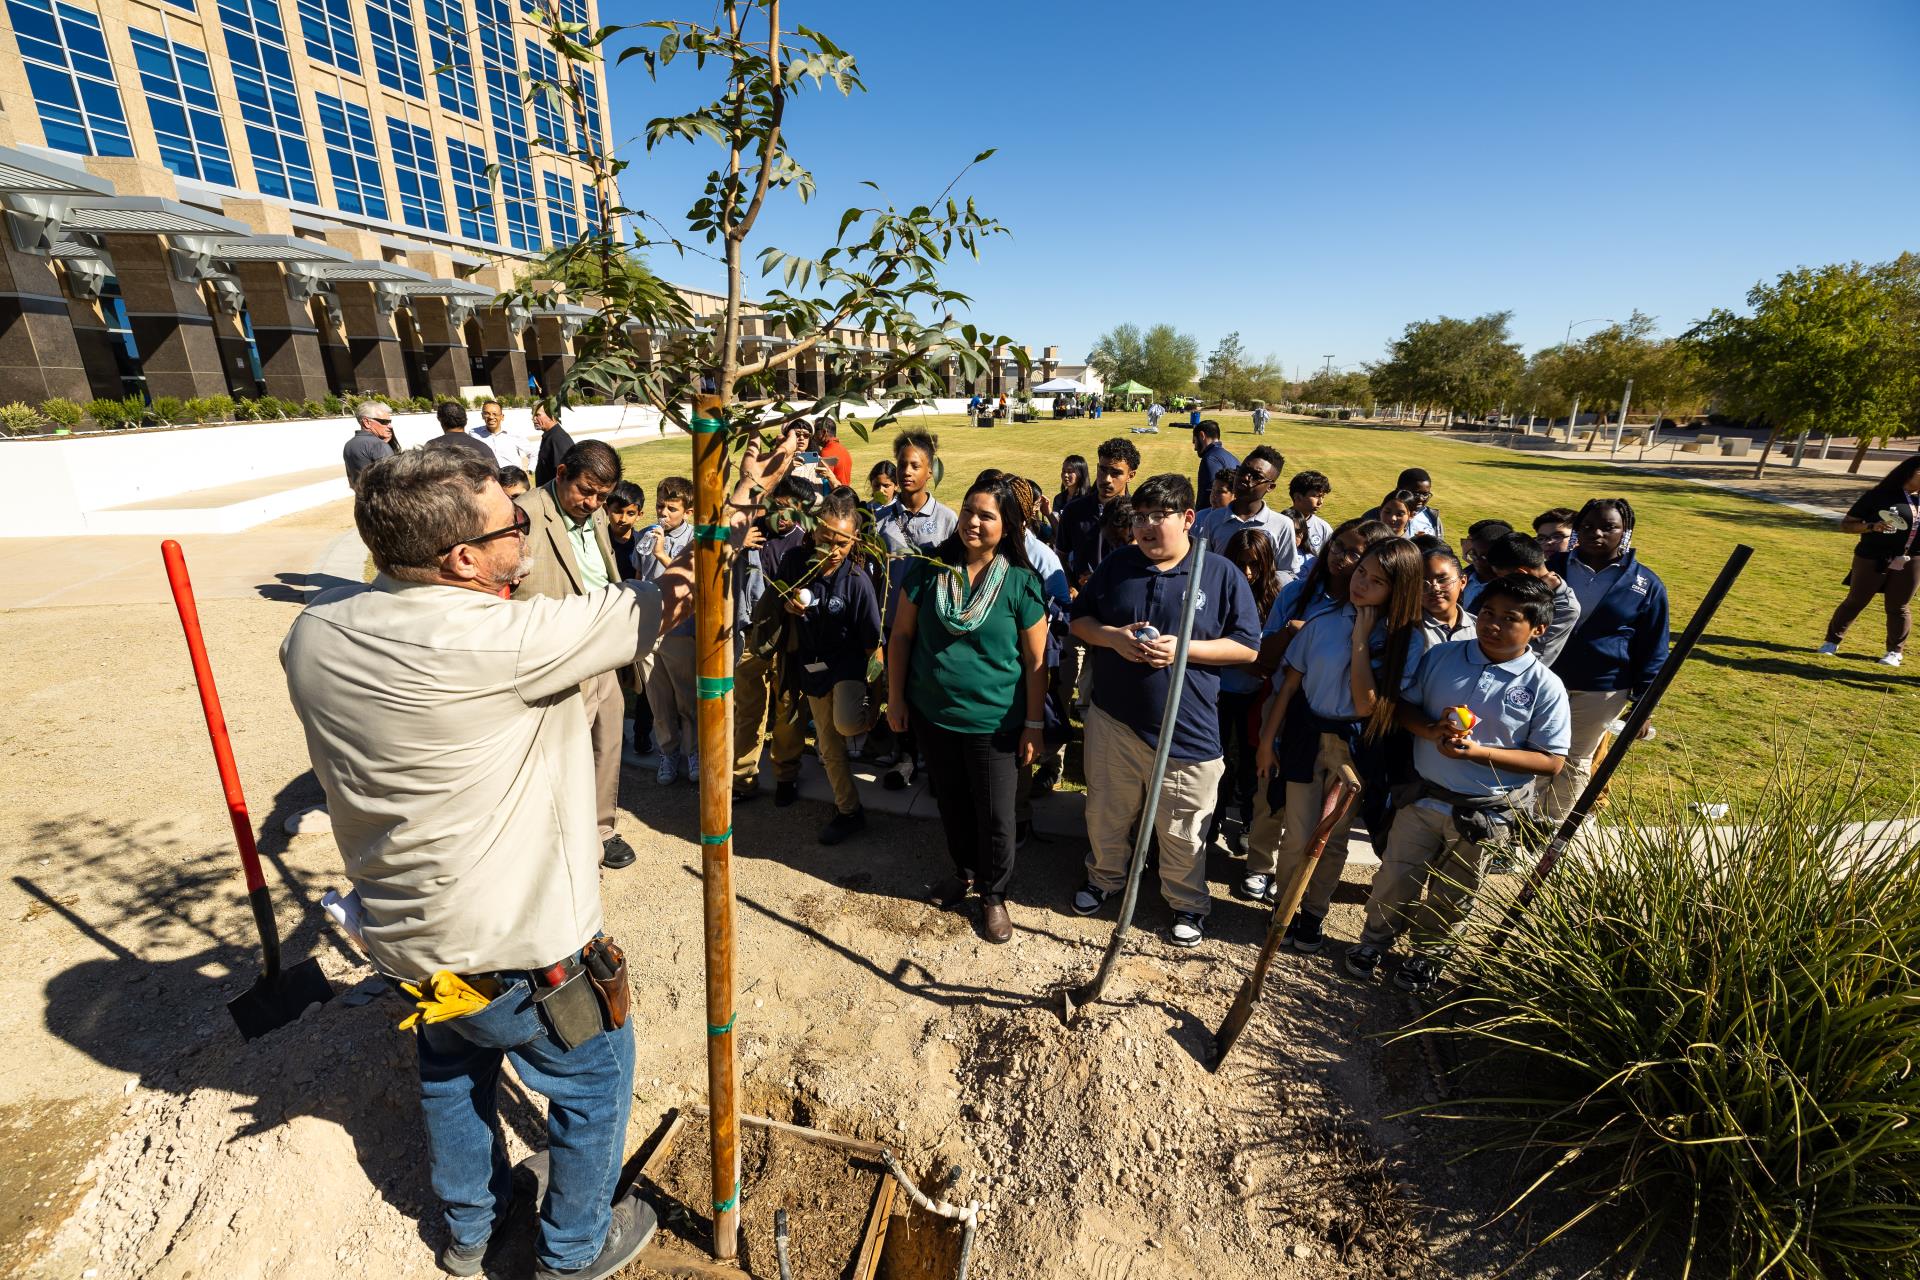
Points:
[[572, 552], [555, 444]]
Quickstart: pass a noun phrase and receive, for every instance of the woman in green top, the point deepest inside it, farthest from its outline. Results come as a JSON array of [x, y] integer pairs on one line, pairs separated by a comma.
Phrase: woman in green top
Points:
[[966, 666]]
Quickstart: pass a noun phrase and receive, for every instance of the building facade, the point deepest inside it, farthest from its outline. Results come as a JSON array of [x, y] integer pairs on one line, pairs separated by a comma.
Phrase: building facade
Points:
[[285, 197]]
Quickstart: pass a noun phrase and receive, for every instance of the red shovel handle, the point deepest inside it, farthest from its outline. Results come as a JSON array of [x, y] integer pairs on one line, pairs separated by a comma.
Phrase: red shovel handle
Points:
[[216, 719]]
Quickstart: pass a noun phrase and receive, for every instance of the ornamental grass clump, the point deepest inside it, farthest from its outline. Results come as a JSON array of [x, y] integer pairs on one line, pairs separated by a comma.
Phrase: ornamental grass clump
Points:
[[1715, 1028]]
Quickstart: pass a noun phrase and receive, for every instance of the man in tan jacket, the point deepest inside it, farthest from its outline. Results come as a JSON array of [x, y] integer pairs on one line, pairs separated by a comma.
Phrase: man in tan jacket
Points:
[[572, 556], [445, 726]]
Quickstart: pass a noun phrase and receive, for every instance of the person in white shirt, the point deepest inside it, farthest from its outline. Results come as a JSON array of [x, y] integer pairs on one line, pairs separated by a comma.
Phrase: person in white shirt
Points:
[[1155, 412], [445, 725], [509, 448], [1253, 480], [1309, 490]]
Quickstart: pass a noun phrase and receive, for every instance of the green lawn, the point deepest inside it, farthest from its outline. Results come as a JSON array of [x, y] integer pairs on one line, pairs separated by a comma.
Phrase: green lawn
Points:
[[1754, 682]]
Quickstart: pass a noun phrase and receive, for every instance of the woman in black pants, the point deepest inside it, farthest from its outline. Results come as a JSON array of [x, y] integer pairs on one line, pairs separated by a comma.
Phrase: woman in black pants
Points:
[[1886, 560], [966, 667]]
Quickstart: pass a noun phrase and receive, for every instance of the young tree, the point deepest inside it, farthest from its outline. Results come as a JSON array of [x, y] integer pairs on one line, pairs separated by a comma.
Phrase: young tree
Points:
[[1120, 355], [880, 278], [1228, 376], [1464, 366], [1830, 346]]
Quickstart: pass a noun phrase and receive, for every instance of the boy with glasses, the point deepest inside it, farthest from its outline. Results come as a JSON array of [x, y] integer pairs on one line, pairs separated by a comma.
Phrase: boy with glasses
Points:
[[1129, 616]]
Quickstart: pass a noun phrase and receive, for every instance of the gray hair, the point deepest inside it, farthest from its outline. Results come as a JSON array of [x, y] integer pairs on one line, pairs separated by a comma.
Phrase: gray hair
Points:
[[371, 409], [595, 458], [411, 506]]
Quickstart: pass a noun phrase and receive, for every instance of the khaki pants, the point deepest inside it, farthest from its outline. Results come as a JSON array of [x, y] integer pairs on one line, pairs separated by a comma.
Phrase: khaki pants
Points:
[[754, 680], [605, 710], [1119, 766], [837, 716], [1591, 713], [670, 695], [1424, 850], [1304, 800]]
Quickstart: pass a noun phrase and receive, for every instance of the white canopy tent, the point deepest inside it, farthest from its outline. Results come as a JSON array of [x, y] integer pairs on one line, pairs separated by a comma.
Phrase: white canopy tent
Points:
[[1059, 386]]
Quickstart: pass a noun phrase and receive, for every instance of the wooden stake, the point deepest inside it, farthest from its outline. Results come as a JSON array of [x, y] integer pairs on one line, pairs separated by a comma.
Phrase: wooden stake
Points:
[[713, 658]]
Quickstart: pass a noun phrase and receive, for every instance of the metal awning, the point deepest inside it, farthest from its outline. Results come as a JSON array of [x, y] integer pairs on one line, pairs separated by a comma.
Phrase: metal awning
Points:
[[149, 215], [24, 174], [443, 288], [567, 310], [285, 249], [74, 251], [369, 273]]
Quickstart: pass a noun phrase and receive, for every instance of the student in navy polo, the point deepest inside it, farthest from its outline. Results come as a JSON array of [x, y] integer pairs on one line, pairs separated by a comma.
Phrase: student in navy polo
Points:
[[913, 524], [1247, 508], [1214, 456], [1469, 781], [1146, 585], [1618, 645], [1078, 535]]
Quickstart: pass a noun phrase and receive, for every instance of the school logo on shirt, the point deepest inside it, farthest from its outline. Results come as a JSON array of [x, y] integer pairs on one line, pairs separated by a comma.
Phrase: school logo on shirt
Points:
[[836, 605], [1640, 583], [1520, 697]]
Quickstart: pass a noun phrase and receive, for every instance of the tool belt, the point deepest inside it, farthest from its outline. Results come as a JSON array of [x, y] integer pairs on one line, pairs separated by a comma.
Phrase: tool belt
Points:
[[577, 997]]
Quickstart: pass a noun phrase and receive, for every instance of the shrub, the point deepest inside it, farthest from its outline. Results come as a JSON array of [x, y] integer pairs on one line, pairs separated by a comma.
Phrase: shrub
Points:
[[269, 408], [20, 419], [216, 408], [1716, 1029], [313, 409], [334, 405], [112, 415], [171, 410], [62, 412]]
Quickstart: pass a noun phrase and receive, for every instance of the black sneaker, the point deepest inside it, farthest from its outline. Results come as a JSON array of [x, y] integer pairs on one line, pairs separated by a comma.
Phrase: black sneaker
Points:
[[1417, 975], [616, 853], [1046, 777], [898, 778], [843, 825], [1088, 899], [1363, 961], [633, 1226], [785, 793], [1187, 929], [1307, 936]]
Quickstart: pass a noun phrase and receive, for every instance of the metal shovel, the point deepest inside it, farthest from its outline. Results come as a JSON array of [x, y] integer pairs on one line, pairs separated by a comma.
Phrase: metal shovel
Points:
[[278, 996]]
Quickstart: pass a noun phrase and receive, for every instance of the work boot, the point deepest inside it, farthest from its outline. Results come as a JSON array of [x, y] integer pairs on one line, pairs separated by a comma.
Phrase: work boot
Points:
[[785, 793], [633, 1225], [952, 892], [457, 1260]]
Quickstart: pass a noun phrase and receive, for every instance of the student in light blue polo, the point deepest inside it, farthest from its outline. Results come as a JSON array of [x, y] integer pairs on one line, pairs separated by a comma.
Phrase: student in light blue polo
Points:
[[1469, 782]]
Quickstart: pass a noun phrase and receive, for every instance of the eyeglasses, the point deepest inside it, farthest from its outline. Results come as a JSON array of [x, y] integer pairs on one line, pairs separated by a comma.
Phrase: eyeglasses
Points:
[[385, 422], [521, 523], [1249, 480], [1142, 519]]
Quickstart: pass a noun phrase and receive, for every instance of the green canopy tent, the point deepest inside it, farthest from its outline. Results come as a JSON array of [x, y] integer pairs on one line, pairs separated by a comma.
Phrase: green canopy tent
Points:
[[1129, 389]]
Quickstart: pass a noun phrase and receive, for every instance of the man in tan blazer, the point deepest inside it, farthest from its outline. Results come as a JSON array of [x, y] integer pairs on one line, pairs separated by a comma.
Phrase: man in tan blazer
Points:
[[572, 555]]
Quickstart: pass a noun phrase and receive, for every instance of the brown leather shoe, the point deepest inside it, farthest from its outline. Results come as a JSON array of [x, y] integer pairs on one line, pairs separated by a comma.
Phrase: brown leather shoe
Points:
[[952, 892], [994, 922]]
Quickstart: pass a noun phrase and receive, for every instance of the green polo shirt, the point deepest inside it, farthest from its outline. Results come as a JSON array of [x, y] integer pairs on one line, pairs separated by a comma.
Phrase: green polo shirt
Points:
[[586, 547], [971, 683]]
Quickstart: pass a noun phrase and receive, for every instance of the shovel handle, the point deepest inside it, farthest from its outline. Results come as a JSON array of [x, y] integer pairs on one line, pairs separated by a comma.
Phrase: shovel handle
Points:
[[216, 719]]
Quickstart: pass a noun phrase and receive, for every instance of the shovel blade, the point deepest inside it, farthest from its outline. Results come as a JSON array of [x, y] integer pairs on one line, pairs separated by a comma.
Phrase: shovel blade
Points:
[[271, 1003]]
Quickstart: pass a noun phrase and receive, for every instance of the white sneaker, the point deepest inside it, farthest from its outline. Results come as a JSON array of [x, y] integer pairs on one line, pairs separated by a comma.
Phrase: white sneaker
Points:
[[1829, 650], [1892, 659], [1255, 886], [669, 771], [693, 768]]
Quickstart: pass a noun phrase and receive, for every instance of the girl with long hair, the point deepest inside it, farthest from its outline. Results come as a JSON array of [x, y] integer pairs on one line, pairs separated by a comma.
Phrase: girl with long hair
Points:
[[966, 668], [1251, 551], [1352, 664], [1075, 480], [1886, 560], [1396, 511]]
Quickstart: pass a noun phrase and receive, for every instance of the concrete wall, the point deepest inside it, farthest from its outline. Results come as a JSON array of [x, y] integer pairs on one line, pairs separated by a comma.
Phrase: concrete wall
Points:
[[70, 484]]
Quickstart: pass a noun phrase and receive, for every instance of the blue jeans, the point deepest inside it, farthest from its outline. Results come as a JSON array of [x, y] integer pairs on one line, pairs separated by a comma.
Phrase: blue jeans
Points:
[[589, 1091]]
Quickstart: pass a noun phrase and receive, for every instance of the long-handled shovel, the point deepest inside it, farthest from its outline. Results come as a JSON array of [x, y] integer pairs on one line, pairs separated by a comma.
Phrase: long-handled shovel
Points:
[[1078, 998], [278, 996], [1336, 810], [1629, 733]]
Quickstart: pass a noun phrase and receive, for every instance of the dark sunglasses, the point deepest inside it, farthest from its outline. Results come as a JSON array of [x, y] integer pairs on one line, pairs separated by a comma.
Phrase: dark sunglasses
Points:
[[521, 523]]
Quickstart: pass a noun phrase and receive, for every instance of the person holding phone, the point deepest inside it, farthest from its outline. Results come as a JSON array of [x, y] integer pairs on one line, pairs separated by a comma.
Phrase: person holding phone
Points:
[[1886, 560]]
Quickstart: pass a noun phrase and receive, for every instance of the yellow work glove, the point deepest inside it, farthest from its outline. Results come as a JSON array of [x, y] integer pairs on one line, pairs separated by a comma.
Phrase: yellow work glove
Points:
[[447, 996]]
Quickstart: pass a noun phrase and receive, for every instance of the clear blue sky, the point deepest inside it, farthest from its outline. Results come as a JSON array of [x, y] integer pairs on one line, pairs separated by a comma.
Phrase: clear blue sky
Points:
[[1317, 175]]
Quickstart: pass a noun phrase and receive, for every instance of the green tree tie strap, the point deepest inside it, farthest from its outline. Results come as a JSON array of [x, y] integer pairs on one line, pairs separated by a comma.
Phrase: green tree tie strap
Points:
[[709, 533], [724, 1027], [715, 686], [722, 838], [707, 426], [724, 1206]]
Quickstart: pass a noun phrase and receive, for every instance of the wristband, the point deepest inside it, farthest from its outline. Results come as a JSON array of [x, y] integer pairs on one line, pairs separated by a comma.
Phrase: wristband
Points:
[[1036, 724]]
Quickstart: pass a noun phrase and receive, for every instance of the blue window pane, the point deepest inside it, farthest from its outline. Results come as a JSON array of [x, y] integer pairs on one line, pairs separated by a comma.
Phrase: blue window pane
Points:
[[192, 143], [563, 224], [416, 175], [347, 131], [549, 126], [452, 56], [472, 193], [263, 81], [75, 96], [328, 27], [396, 47]]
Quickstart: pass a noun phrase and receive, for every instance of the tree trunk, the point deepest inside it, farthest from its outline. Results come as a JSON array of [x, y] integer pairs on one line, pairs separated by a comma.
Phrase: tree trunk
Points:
[[1773, 433], [1859, 456]]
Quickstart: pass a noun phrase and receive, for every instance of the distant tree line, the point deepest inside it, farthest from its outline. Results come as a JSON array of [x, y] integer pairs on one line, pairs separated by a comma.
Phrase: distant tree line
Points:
[[1833, 348]]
